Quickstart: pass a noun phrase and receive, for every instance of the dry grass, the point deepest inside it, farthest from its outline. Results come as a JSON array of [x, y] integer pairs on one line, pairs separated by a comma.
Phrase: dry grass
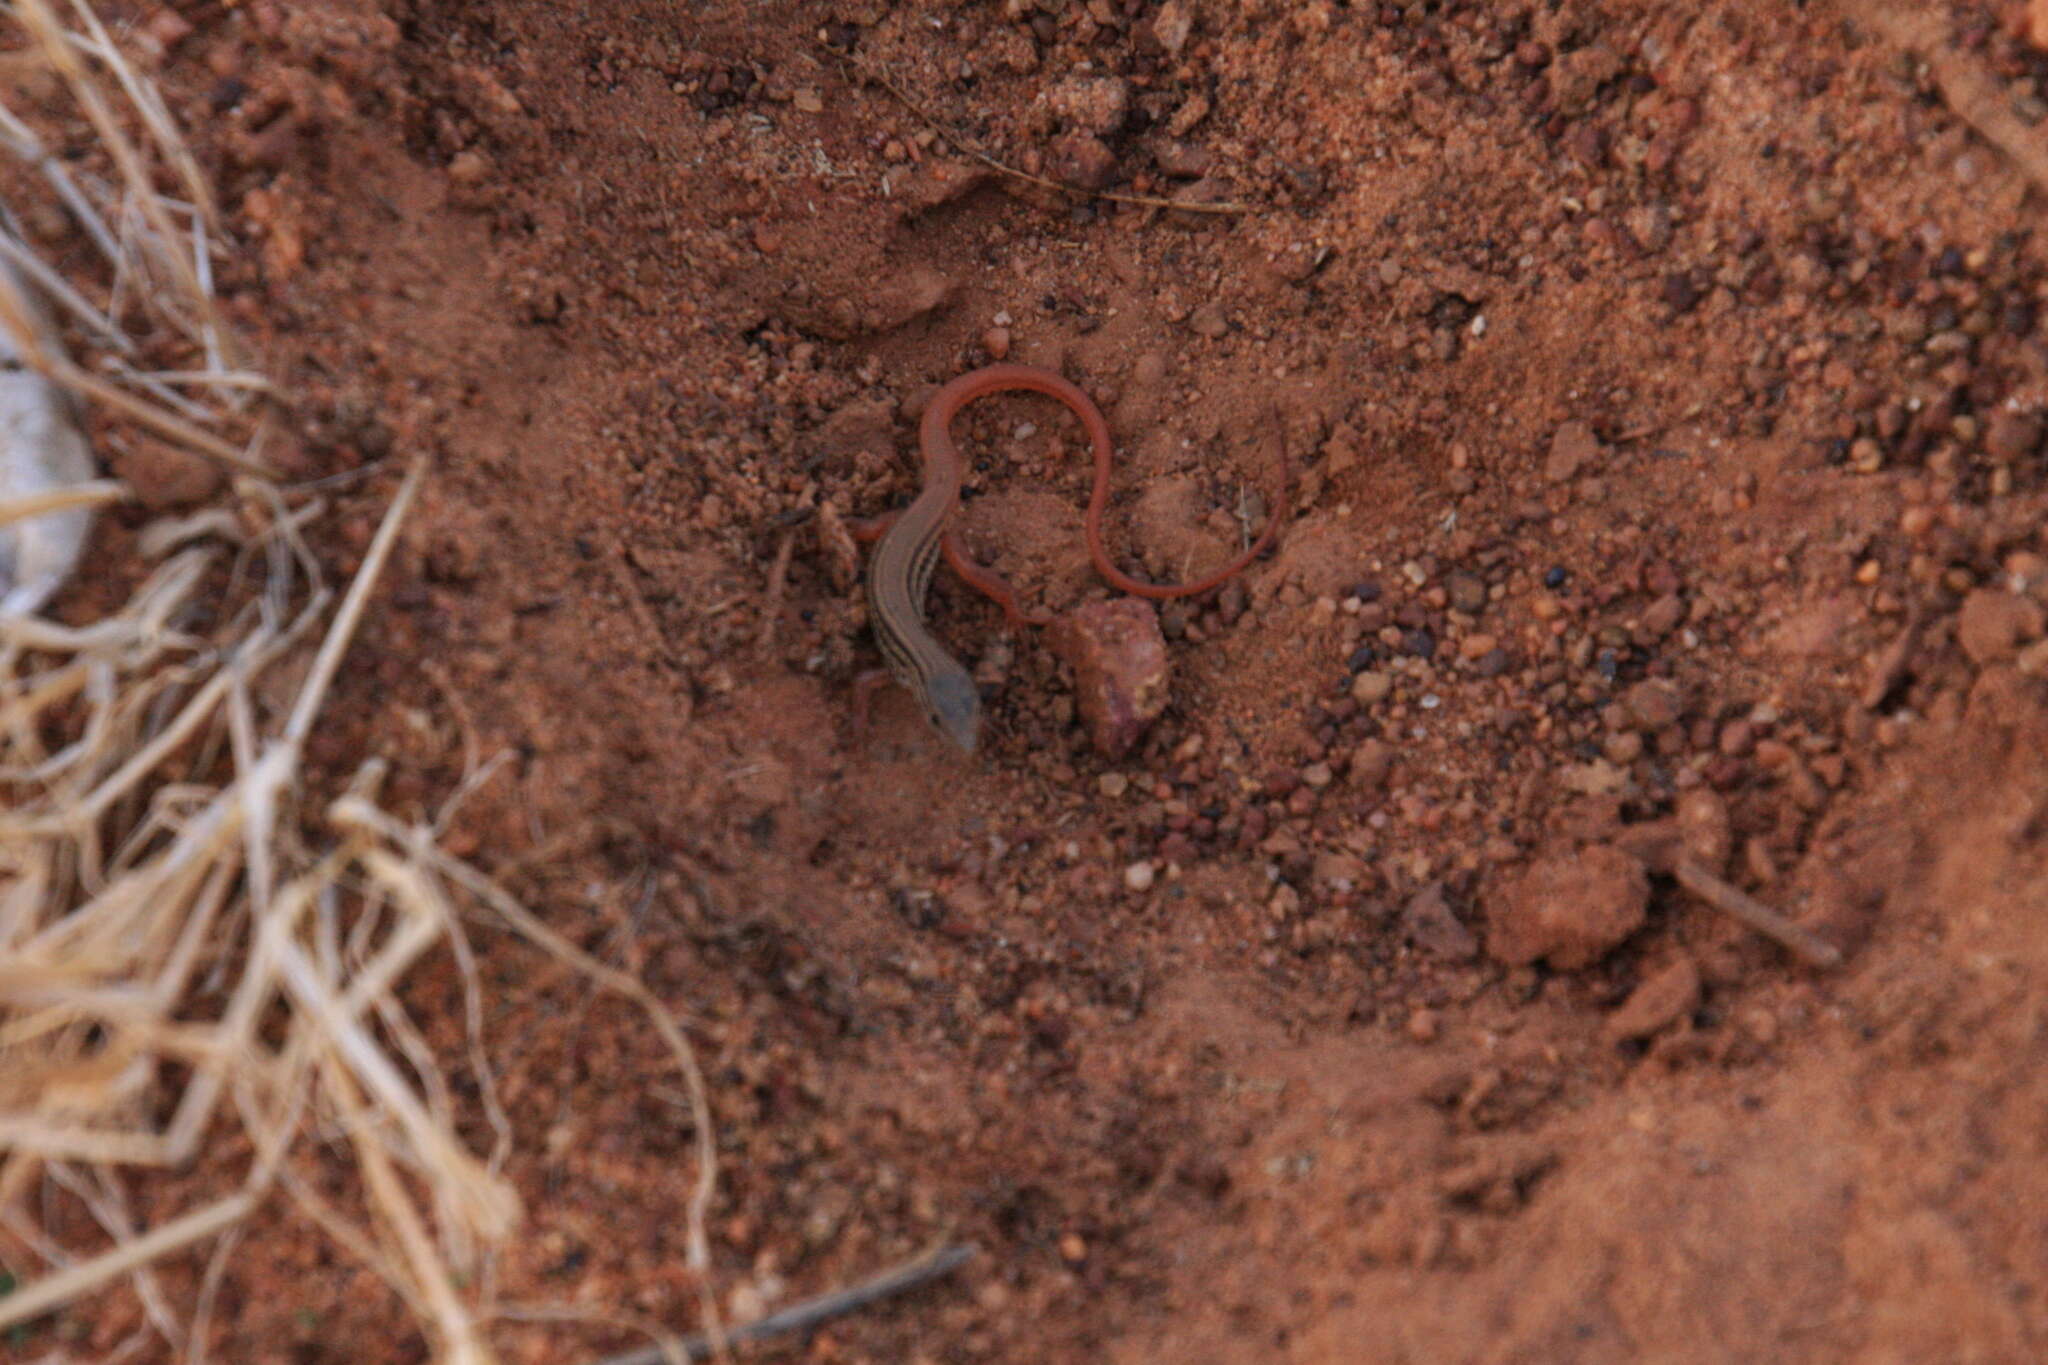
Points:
[[180, 934]]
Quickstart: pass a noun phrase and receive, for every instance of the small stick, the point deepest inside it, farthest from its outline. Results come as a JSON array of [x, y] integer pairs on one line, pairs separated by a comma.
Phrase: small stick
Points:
[[968, 148], [778, 588], [1737, 904], [802, 1317]]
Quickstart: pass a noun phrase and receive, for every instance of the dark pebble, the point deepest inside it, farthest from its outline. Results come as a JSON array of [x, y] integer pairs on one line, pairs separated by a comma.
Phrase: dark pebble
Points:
[[1681, 294], [1555, 577], [1492, 663], [1421, 644], [1608, 663], [1367, 591], [1360, 660], [1281, 781]]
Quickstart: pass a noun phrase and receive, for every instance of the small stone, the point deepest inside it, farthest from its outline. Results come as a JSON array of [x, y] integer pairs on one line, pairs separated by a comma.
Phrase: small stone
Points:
[[909, 295], [1081, 160], [1664, 615], [1737, 738], [1658, 1001], [469, 168], [1654, 704], [1468, 592], [2012, 434], [1072, 1249], [1112, 785], [1477, 646], [1120, 669], [1424, 1026], [1172, 25], [1093, 104], [1994, 623], [1430, 925], [996, 341], [1317, 775], [1138, 876], [1370, 764], [1208, 321], [1704, 830], [1371, 687], [1571, 909], [1624, 748], [1572, 448], [1341, 871]]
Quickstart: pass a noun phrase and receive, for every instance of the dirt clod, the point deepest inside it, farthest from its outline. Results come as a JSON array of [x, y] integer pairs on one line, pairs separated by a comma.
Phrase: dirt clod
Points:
[[1570, 909], [1661, 998]]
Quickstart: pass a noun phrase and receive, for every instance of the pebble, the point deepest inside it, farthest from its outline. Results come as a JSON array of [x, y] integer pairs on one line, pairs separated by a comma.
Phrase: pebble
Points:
[[1371, 687], [1430, 925], [908, 296], [1664, 615], [1112, 785], [2012, 434], [1994, 623], [1424, 1026], [1467, 592], [1477, 646], [1737, 738], [1317, 775], [1120, 669], [1138, 876], [1654, 704], [996, 341], [1208, 321], [1171, 26], [1081, 160], [1094, 104], [1370, 764], [1572, 448], [1570, 909], [1659, 1001], [1704, 829]]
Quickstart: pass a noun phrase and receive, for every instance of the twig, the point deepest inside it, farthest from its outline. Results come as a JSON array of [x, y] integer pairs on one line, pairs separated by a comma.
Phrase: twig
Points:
[[53, 1291], [963, 145], [1737, 904], [802, 1317], [778, 587]]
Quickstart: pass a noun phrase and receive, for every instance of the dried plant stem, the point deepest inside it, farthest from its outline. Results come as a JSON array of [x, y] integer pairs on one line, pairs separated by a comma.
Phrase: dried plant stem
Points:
[[802, 1317], [53, 1291], [1738, 904]]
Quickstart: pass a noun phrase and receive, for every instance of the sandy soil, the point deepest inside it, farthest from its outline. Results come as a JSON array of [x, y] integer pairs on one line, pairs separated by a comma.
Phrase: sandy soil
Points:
[[1668, 382]]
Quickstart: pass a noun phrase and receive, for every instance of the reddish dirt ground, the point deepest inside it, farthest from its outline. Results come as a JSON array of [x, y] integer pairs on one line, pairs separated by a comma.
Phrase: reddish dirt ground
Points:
[[1667, 384]]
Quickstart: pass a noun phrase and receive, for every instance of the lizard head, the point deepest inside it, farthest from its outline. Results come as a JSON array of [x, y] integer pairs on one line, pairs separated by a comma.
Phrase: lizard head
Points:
[[954, 705]]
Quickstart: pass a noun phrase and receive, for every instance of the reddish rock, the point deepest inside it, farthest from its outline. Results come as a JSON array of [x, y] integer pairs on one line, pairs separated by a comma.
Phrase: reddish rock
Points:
[[2012, 434], [1081, 160], [1120, 669], [1659, 1000], [1430, 925], [1092, 104], [1572, 448], [1994, 623], [1571, 909], [908, 296], [1705, 832]]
